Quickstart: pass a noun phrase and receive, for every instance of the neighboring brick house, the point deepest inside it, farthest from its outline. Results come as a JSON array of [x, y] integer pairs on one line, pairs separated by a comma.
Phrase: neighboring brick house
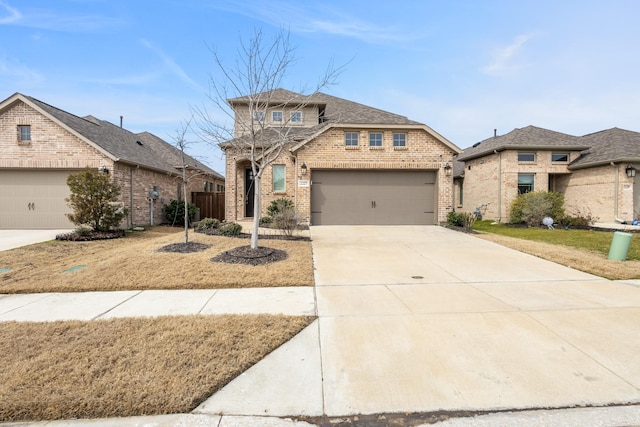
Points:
[[594, 172], [344, 163], [40, 145]]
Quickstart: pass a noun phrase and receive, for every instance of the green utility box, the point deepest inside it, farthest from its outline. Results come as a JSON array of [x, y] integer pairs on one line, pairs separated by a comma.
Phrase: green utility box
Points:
[[620, 246]]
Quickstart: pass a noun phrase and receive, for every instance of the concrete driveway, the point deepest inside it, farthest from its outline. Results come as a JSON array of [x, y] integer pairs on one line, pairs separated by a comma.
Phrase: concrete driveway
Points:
[[420, 319], [10, 239]]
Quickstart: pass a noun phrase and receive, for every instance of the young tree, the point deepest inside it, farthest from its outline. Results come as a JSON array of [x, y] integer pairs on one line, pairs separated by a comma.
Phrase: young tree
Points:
[[93, 200], [256, 75], [181, 145]]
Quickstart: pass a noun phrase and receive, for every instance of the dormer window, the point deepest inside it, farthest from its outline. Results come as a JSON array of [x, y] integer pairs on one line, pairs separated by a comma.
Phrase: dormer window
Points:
[[296, 117], [24, 133]]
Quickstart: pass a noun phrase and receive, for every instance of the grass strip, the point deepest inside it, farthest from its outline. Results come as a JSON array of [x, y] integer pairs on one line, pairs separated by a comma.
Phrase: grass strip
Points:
[[135, 263], [128, 367]]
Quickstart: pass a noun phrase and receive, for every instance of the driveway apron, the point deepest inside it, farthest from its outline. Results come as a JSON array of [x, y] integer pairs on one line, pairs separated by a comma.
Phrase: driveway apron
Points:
[[422, 318]]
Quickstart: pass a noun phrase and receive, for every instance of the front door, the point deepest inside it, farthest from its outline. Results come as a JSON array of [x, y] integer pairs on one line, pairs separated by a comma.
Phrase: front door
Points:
[[249, 193]]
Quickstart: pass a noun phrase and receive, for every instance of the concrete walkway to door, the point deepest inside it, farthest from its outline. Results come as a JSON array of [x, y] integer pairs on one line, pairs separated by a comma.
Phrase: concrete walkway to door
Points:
[[420, 319]]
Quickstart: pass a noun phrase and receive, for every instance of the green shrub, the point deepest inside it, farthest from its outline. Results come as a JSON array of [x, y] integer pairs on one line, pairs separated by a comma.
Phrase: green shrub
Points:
[[83, 231], [455, 219], [208, 224], [94, 200], [266, 220], [229, 229], [174, 212], [580, 219], [532, 207], [278, 205]]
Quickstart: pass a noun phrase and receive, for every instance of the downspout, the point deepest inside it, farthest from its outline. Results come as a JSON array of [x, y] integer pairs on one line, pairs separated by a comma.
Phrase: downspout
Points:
[[131, 196], [615, 194], [499, 184], [295, 182]]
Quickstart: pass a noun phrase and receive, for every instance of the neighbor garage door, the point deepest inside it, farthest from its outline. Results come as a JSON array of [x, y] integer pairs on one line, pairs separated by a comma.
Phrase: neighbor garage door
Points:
[[34, 199], [356, 197]]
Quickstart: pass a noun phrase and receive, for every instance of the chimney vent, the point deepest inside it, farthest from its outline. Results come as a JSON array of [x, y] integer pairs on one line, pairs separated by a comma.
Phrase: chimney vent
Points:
[[120, 121], [495, 131]]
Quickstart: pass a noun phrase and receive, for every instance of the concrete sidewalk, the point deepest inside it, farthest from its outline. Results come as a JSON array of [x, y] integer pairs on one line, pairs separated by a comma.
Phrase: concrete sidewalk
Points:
[[413, 320], [295, 301]]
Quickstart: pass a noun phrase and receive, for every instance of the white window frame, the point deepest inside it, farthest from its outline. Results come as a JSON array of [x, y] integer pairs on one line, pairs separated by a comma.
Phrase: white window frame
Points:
[[560, 154], [24, 133], [397, 143], [376, 141], [259, 116], [350, 138], [283, 178], [295, 117], [526, 153]]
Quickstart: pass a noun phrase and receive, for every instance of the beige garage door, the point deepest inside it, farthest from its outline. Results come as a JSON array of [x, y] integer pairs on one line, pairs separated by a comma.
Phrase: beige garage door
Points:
[[34, 199], [356, 197]]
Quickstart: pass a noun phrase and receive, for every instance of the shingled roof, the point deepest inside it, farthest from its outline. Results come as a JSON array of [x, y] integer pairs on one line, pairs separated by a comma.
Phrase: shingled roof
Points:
[[611, 145], [337, 110], [527, 138], [143, 149]]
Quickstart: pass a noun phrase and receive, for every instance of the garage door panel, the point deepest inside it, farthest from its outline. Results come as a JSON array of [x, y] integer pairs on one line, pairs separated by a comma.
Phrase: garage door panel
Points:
[[34, 199], [372, 197]]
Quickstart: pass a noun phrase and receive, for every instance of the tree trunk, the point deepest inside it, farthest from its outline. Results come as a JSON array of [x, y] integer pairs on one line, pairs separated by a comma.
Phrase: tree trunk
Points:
[[256, 210], [186, 212]]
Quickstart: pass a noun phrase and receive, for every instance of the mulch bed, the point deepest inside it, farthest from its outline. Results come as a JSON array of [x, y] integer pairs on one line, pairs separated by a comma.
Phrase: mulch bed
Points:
[[91, 235], [214, 232], [184, 248], [245, 255]]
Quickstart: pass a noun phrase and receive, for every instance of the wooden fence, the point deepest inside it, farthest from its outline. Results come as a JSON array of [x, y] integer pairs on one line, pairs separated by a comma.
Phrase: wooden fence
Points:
[[211, 205]]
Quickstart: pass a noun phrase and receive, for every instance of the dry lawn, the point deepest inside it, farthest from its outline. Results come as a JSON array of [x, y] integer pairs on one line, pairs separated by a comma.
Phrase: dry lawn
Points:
[[580, 259], [127, 367], [134, 262]]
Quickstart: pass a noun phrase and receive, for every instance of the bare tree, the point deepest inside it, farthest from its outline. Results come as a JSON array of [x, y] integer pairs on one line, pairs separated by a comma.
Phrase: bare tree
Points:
[[188, 170], [254, 79]]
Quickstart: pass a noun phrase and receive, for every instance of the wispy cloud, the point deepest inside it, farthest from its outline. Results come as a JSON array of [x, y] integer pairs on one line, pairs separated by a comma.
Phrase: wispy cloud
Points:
[[503, 58], [12, 68], [313, 19], [12, 14], [171, 65], [49, 20]]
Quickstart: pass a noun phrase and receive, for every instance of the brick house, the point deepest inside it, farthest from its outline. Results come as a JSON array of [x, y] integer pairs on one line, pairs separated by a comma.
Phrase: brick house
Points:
[[595, 172], [344, 162], [41, 145]]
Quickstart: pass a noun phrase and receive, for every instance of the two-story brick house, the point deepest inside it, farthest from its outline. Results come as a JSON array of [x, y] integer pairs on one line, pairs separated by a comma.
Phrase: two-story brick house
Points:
[[345, 163], [595, 172], [40, 145]]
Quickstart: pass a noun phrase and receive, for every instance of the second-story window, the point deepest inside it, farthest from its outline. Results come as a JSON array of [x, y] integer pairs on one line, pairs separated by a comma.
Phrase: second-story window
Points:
[[24, 133], [276, 116], [258, 116], [399, 139], [296, 117], [351, 139], [559, 157], [526, 157], [375, 139]]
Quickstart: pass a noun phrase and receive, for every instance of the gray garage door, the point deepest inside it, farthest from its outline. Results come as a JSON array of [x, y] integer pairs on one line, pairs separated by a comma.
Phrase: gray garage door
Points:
[[34, 199], [370, 197]]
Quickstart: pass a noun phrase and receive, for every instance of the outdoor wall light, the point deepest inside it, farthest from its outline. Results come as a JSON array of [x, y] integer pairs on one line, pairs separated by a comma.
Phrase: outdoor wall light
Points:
[[103, 169], [448, 169], [303, 168], [630, 171]]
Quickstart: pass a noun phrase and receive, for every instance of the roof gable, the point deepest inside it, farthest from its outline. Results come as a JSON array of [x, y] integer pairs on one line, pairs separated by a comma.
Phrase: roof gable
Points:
[[113, 141], [530, 137], [611, 145]]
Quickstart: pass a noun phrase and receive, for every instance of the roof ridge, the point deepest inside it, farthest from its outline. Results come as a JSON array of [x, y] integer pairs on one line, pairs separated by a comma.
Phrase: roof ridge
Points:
[[60, 109]]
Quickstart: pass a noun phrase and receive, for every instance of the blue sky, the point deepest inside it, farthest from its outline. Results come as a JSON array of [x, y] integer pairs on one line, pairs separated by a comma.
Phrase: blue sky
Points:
[[462, 67]]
